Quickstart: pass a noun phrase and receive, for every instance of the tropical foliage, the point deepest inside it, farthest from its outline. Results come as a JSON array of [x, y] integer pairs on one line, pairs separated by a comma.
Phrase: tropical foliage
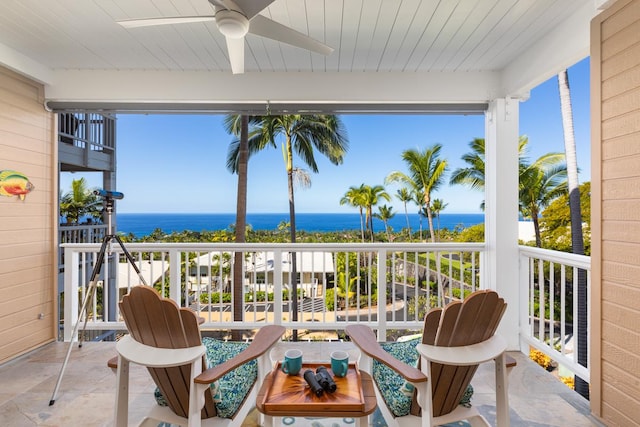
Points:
[[541, 182], [79, 202], [384, 214], [555, 222], [426, 174]]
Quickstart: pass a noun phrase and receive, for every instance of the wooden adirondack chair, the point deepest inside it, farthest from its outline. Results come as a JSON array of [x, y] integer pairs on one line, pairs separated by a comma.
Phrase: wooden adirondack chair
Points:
[[166, 339], [455, 341]]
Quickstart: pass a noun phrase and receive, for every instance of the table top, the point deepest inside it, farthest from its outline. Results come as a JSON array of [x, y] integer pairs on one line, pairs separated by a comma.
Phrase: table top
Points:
[[282, 395]]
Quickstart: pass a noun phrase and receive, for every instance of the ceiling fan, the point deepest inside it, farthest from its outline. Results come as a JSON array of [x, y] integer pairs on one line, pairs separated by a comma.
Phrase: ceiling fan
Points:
[[236, 18]]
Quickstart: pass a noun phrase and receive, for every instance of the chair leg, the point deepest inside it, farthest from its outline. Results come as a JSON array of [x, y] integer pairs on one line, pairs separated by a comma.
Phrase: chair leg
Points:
[[502, 397], [196, 395], [121, 417]]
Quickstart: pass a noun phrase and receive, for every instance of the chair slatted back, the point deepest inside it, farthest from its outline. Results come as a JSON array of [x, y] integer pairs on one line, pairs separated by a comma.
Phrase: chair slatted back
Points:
[[458, 324], [159, 322]]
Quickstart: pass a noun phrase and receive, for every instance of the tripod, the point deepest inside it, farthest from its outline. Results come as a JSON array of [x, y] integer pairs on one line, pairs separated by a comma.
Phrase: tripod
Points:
[[104, 248]]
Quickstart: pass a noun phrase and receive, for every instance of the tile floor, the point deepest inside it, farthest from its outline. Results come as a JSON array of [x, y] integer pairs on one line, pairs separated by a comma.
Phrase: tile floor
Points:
[[87, 393]]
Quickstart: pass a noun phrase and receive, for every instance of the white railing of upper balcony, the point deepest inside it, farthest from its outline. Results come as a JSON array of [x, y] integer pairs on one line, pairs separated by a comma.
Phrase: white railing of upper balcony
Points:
[[550, 311], [331, 291], [72, 233]]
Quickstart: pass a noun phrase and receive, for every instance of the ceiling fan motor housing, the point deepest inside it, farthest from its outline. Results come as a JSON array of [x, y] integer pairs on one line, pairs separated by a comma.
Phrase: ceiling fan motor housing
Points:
[[232, 24]]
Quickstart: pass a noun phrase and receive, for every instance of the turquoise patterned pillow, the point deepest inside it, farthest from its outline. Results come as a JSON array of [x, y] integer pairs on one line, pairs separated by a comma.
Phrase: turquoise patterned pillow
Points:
[[395, 390], [229, 391], [397, 393]]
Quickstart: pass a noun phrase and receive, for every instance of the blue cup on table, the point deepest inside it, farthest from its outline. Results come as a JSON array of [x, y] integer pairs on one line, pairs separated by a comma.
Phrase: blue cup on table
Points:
[[339, 363], [292, 362]]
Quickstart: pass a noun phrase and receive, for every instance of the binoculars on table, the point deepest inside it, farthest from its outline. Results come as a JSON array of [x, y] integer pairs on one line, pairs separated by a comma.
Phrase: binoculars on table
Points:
[[320, 381]]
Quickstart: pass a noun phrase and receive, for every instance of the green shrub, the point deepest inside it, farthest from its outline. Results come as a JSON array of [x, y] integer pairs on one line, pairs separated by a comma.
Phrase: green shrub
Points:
[[455, 292], [329, 299], [214, 298]]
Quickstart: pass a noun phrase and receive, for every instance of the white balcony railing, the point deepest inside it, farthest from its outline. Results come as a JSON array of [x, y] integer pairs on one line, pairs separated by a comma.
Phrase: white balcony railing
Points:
[[202, 276], [550, 310], [338, 283]]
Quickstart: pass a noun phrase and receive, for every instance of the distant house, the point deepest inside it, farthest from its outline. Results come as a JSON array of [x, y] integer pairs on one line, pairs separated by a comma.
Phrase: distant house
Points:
[[315, 270], [203, 272], [151, 272]]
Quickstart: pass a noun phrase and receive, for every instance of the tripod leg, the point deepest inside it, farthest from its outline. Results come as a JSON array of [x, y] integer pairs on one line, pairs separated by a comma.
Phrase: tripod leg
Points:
[[87, 298], [85, 304], [92, 288], [131, 260]]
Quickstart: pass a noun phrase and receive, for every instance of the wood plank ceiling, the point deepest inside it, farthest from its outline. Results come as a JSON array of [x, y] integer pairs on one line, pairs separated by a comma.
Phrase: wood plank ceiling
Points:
[[368, 35]]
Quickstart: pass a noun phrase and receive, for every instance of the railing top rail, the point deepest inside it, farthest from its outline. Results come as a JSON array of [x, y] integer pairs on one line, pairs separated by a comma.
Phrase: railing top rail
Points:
[[73, 227], [422, 247], [574, 260]]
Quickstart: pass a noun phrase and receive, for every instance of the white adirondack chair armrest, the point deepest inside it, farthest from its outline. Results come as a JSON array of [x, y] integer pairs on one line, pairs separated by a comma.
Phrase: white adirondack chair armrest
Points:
[[464, 355], [154, 357]]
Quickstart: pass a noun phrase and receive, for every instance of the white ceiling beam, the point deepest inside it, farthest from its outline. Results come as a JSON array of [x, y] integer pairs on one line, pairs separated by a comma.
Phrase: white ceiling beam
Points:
[[566, 45], [308, 88], [24, 65]]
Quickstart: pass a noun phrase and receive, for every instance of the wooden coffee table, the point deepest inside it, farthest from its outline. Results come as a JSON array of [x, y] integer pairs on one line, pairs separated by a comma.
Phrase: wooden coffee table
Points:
[[284, 395]]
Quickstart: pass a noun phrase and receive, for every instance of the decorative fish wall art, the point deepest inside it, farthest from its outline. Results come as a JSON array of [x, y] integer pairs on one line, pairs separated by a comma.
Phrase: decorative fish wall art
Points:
[[13, 183]]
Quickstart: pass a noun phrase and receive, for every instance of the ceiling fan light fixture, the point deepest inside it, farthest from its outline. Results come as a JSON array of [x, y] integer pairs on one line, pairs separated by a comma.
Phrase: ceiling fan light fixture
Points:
[[232, 24]]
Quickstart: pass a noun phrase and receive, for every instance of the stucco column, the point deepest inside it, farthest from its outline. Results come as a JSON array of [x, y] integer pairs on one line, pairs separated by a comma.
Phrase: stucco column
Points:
[[501, 209]]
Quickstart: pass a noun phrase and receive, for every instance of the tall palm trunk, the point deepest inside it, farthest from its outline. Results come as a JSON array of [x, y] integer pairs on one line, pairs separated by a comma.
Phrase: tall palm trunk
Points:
[[427, 201], [362, 224], [577, 240], [536, 227], [387, 230], [370, 222], [241, 224], [293, 276], [406, 215]]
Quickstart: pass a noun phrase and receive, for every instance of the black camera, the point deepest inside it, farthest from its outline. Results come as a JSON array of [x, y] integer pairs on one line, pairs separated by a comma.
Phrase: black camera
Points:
[[320, 382]]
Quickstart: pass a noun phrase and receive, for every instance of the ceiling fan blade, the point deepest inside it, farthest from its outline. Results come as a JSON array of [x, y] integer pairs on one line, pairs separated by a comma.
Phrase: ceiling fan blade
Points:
[[265, 27], [251, 8], [148, 22], [235, 47]]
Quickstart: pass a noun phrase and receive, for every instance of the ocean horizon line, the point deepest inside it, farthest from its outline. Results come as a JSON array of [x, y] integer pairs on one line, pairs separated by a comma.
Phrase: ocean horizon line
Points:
[[142, 224], [281, 213]]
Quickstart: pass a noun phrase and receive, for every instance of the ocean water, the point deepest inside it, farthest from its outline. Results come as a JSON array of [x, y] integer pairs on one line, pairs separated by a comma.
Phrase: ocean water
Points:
[[142, 224]]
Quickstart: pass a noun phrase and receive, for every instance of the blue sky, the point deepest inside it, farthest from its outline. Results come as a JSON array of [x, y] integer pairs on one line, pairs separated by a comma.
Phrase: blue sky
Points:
[[176, 163]]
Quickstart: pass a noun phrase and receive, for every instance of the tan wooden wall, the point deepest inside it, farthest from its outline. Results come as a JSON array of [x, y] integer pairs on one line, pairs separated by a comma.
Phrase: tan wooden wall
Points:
[[615, 59], [27, 267]]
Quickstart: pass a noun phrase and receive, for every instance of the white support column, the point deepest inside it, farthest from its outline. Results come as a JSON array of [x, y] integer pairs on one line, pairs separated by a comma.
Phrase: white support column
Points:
[[501, 210]]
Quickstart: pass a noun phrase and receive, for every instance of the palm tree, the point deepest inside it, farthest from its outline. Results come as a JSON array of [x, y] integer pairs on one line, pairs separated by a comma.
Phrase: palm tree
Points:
[[355, 197], [577, 239], [371, 197], [404, 195], [422, 211], [540, 183], [473, 175], [302, 133], [437, 206], [426, 173], [238, 125], [385, 213], [80, 201]]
